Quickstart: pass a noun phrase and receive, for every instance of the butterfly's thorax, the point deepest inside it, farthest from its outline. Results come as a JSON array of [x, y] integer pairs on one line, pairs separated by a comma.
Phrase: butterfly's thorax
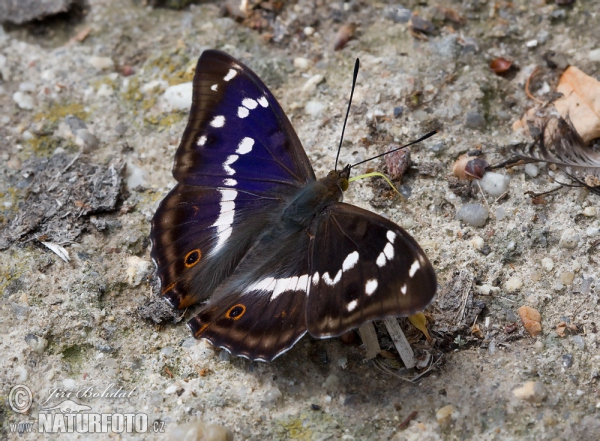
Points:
[[312, 199]]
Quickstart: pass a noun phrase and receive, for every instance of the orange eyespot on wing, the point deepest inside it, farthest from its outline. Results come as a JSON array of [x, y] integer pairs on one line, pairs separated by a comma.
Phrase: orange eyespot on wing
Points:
[[236, 312], [192, 258]]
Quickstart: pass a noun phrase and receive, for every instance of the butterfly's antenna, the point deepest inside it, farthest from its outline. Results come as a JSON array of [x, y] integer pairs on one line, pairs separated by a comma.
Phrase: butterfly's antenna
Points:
[[422, 138], [356, 65]]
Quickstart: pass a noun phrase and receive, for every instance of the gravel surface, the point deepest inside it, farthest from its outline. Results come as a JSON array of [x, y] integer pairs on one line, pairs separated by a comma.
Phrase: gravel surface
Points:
[[100, 96]]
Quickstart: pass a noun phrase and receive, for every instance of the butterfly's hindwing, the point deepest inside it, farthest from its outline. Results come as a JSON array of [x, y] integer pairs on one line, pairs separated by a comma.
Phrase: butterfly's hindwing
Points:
[[191, 234], [237, 134], [259, 312], [363, 267]]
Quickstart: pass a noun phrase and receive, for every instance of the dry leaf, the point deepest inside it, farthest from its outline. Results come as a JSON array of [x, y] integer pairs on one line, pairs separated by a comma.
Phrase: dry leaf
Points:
[[531, 320], [580, 102]]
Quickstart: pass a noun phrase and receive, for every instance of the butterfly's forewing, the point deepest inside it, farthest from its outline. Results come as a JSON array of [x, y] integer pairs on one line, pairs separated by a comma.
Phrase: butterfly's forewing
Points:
[[237, 134], [191, 233], [259, 312], [363, 267], [239, 158]]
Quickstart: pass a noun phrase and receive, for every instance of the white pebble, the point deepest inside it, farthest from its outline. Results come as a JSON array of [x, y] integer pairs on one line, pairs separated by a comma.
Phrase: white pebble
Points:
[[532, 391], [408, 223], [136, 176], [473, 214], [486, 289], [531, 43], [513, 284], [137, 270], [179, 97], [308, 31], [301, 63], [27, 87], [494, 184], [594, 55], [531, 170], [23, 100], [590, 211], [171, 389], [101, 63], [311, 84], [592, 231], [477, 242], [547, 264], [272, 396], [315, 108], [22, 374], [69, 384], [569, 239]]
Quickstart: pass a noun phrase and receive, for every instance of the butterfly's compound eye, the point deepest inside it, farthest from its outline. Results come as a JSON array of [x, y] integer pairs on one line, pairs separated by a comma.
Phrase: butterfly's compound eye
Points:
[[343, 184], [192, 258], [236, 312]]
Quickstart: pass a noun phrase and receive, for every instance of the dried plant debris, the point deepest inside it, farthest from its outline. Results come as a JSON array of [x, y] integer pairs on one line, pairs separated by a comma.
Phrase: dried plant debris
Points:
[[56, 196], [22, 11], [580, 102], [559, 143], [577, 97], [457, 309]]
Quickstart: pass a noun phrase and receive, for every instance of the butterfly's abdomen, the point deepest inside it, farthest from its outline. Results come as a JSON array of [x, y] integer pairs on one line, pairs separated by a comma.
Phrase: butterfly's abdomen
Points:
[[310, 201]]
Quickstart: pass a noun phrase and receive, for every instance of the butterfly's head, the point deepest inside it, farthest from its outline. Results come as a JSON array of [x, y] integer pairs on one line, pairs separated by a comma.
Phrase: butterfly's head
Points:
[[340, 177]]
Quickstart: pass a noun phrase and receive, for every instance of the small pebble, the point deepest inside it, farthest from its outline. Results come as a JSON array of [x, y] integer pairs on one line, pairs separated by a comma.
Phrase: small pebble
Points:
[[225, 356], [315, 108], [531, 320], [495, 184], [22, 374], [308, 31], [567, 360], [398, 111], [311, 84], [579, 341], [567, 277], [199, 431], [101, 63], [531, 43], [23, 100], [167, 351], [531, 170], [179, 96], [475, 215], [171, 389], [474, 120], [594, 55], [592, 231], [37, 344], [590, 211], [569, 239], [301, 63], [272, 396], [69, 384], [343, 362], [500, 213], [477, 242], [547, 264], [513, 284], [446, 415], [331, 382], [138, 270], [84, 138], [538, 345], [532, 391]]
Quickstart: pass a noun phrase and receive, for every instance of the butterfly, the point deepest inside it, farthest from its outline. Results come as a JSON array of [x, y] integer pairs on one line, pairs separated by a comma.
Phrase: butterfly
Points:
[[275, 251]]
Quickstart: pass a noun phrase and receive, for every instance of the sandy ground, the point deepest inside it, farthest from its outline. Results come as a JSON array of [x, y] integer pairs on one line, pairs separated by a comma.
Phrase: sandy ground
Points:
[[68, 327]]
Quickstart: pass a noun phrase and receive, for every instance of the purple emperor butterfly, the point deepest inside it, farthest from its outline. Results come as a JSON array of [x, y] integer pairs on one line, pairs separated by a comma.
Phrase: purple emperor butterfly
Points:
[[274, 250]]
